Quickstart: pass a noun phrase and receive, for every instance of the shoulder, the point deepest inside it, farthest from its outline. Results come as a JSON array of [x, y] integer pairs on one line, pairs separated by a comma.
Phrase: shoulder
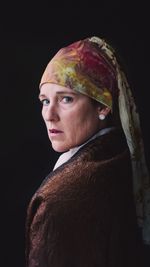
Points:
[[92, 180], [100, 167], [99, 161]]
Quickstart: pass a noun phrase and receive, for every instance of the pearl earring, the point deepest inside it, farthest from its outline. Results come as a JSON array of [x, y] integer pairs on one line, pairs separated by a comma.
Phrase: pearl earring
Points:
[[102, 117]]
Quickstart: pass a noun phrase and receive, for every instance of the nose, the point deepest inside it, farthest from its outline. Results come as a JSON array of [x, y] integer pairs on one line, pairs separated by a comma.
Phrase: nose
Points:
[[50, 113]]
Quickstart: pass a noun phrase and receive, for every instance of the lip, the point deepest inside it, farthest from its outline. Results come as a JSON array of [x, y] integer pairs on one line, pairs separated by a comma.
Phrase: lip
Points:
[[54, 132]]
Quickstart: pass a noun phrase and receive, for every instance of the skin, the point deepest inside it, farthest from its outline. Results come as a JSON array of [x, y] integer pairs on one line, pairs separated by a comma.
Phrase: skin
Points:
[[71, 118]]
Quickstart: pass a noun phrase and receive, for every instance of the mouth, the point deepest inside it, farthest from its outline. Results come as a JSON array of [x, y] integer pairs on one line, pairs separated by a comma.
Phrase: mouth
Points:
[[54, 132]]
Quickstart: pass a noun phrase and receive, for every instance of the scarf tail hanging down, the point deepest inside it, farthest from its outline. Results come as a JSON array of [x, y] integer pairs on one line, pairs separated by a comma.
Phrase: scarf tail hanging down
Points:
[[131, 126]]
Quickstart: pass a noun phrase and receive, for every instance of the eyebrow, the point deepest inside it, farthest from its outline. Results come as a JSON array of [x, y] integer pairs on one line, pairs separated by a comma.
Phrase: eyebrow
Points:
[[66, 92], [41, 95], [60, 93]]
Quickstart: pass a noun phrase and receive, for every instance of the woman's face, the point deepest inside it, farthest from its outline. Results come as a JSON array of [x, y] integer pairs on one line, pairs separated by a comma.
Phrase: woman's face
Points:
[[70, 117]]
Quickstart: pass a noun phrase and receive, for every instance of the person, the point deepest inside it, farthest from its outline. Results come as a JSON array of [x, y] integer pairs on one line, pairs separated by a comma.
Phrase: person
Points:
[[90, 210]]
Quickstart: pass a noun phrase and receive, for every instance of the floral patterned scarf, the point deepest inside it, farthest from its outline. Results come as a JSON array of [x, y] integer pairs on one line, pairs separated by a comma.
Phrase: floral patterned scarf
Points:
[[90, 67]]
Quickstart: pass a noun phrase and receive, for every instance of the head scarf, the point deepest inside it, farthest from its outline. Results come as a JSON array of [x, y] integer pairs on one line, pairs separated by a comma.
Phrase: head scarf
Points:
[[78, 66], [90, 67]]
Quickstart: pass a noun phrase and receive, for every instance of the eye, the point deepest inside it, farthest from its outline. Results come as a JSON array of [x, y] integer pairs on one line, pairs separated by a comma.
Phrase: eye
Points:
[[45, 102], [67, 99]]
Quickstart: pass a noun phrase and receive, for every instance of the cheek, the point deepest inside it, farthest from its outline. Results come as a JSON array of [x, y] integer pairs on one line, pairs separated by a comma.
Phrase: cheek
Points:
[[43, 114], [85, 123], [71, 125], [77, 126]]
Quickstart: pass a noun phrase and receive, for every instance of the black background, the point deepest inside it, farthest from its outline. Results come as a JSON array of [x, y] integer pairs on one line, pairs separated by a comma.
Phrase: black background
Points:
[[30, 36]]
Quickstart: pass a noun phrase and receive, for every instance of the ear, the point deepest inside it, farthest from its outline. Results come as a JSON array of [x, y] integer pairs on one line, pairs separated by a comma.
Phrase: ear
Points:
[[104, 111]]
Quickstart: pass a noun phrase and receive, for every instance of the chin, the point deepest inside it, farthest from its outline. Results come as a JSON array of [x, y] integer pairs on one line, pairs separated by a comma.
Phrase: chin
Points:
[[59, 148]]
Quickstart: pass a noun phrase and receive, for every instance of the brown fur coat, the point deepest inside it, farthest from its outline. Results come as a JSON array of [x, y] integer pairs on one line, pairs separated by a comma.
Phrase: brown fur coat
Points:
[[83, 214]]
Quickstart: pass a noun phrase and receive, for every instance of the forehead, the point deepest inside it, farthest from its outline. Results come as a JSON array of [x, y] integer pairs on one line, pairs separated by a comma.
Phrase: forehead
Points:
[[49, 88]]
